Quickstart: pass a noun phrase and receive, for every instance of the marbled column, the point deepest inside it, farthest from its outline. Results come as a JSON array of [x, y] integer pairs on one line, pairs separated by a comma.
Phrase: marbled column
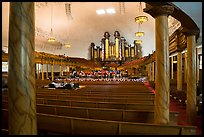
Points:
[[42, 71], [60, 69], [149, 72], [21, 72], [191, 79], [38, 71], [185, 67], [47, 76], [179, 70], [162, 71], [52, 71], [67, 68], [172, 67], [197, 66], [153, 71], [161, 111]]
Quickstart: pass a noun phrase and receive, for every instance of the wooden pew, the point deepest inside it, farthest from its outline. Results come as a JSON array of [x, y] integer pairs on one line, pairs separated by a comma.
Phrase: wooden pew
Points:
[[108, 94], [148, 99], [98, 99], [140, 116], [91, 104], [101, 90], [41, 83], [76, 126]]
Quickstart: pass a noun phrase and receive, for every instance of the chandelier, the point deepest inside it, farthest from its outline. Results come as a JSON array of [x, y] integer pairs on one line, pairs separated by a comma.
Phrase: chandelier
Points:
[[138, 42], [67, 45], [51, 38], [139, 34], [141, 18]]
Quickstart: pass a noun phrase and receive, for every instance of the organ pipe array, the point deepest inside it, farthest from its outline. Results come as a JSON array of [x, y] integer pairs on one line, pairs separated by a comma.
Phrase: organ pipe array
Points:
[[118, 50]]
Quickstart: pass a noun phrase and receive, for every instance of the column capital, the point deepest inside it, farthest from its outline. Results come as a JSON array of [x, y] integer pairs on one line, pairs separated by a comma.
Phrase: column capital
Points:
[[116, 34], [159, 10]]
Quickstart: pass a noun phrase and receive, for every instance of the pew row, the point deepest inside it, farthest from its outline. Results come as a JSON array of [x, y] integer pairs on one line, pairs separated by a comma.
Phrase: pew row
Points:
[[96, 99], [139, 116], [49, 124], [105, 94], [148, 99], [92, 104]]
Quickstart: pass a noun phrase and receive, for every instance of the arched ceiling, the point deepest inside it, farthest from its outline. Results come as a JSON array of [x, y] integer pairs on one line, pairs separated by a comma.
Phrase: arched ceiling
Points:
[[86, 26]]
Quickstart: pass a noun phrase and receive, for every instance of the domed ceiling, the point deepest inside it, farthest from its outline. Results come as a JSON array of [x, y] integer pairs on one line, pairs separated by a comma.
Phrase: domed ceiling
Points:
[[78, 24]]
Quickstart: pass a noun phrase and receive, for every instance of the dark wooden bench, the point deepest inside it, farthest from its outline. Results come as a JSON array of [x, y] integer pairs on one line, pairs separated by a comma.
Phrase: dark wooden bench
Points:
[[140, 116], [41, 83], [99, 99], [81, 93], [98, 89], [76, 126], [92, 104]]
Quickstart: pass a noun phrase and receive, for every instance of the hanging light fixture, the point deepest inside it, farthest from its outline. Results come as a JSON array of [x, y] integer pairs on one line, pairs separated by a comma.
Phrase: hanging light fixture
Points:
[[51, 38], [139, 33], [67, 44], [141, 18], [138, 41]]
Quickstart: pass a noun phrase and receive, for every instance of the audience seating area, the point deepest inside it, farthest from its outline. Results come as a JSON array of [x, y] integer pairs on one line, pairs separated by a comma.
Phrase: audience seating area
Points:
[[124, 108]]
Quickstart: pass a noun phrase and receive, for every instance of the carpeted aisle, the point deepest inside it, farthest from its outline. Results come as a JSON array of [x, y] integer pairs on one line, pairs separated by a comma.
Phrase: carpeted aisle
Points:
[[177, 106]]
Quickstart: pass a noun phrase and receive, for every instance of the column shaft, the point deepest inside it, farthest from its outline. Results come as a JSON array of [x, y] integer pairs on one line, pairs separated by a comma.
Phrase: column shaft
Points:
[[172, 67], [42, 72], [161, 113], [150, 69], [67, 68], [60, 70], [185, 67], [38, 71], [197, 66], [191, 80], [179, 71], [52, 71], [153, 71], [47, 76], [21, 72]]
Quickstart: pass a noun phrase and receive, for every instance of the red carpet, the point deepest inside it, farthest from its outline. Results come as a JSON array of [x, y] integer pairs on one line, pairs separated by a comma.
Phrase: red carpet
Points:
[[176, 106]]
